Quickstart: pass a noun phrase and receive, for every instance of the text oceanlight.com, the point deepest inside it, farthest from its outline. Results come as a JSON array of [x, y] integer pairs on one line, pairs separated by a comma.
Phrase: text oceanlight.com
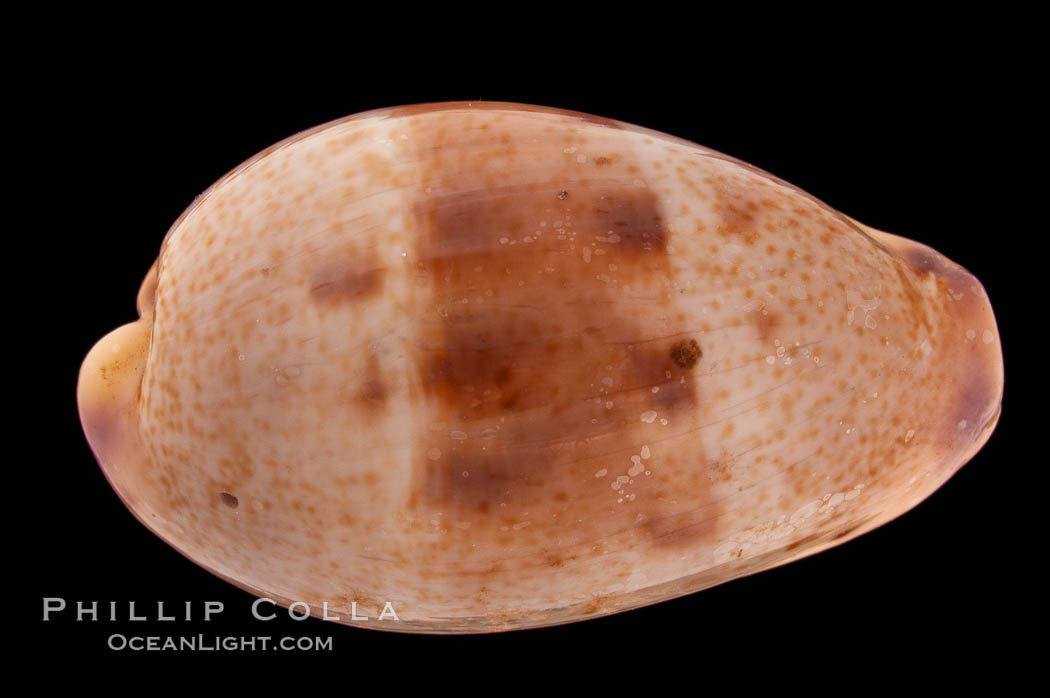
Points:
[[216, 643]]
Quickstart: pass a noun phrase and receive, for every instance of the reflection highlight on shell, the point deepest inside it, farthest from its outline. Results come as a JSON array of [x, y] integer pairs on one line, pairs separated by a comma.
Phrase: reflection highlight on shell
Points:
[[507, 366]]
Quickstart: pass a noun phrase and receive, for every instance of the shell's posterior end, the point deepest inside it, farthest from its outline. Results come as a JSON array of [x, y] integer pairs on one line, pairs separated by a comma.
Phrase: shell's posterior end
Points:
[[958, 362], [963, 348]]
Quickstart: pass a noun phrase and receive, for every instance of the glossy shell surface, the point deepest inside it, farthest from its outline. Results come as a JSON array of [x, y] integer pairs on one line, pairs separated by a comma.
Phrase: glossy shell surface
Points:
[[507, 366]]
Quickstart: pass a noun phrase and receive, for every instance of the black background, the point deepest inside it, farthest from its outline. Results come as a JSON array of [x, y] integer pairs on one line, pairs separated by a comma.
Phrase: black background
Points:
[[919, 146]]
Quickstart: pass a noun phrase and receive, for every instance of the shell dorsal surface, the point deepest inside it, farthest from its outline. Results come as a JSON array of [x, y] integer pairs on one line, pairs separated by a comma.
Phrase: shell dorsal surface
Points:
[[506, 366]]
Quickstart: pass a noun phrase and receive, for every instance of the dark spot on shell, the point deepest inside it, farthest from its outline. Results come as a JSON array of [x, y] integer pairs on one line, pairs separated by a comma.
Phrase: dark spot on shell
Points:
[[795, 545], [339, 283], [229, 500], [925, 259], [764, 322], [842, 534], [373, 391], [680, 530], [686, 353], [634, 216]]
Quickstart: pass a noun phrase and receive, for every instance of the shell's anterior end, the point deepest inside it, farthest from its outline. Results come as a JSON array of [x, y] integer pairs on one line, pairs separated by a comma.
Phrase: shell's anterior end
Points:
[[109, 386], [107, 395]]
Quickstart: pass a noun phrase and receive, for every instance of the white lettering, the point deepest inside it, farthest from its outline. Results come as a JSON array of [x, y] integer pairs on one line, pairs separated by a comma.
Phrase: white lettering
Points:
[[81, 611], [255, 609], [160, 612], [292, 614], [50, 605], [212, 607], [388, 612]]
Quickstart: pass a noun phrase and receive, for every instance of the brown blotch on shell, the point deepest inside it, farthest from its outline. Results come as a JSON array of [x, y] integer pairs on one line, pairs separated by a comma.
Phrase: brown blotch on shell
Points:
[[681, 530], [346, 281], [765, 321], [495, 360], [518, 408], [373, 391]]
